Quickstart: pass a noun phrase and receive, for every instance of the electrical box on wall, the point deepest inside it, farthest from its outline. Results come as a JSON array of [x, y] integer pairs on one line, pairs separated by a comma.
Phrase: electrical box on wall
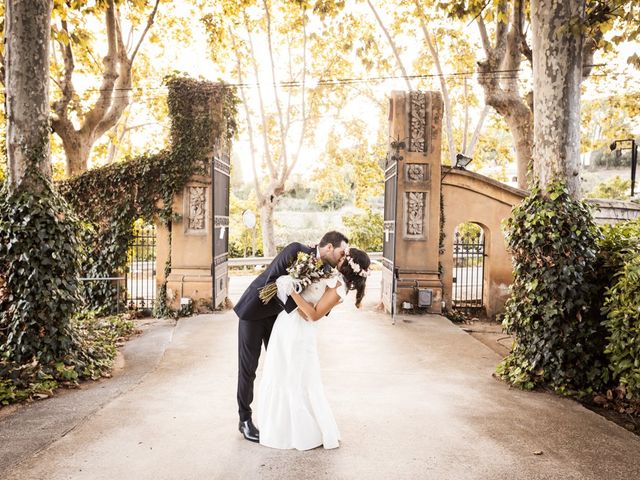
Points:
[[425, 297]]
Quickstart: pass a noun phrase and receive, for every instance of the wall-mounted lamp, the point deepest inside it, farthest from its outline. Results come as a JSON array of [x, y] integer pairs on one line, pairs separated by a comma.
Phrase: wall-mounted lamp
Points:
[[462, 161]]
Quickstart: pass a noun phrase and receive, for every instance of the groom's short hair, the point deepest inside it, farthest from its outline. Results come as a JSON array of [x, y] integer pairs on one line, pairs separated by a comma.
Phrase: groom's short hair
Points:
[[334, 238]]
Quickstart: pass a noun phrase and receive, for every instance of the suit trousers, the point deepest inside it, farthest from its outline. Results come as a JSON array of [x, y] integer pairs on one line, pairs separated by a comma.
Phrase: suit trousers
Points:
[[251, 335]]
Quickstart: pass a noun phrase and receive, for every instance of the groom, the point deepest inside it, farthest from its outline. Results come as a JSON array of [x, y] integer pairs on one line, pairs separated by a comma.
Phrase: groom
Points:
[[257, 319]]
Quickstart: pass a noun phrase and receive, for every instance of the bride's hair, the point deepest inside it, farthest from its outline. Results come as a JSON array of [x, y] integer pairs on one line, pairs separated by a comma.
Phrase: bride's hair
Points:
[[355, 270]]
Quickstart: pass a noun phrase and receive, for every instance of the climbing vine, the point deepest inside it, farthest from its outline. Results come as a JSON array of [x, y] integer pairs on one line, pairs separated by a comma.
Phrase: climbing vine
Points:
[[558, 339], [49, 237], [110, 199]]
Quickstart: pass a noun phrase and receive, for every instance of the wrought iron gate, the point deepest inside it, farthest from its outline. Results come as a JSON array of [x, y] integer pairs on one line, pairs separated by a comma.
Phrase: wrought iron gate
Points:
[[468, 272], [141, 272], [220, 173], [389, 244]]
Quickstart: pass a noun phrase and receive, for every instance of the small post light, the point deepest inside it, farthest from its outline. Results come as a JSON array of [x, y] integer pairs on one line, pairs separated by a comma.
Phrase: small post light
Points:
[[634, 159]]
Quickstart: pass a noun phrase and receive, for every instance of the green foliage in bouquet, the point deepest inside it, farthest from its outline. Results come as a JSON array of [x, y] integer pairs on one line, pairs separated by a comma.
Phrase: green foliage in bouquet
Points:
[[305, 270]]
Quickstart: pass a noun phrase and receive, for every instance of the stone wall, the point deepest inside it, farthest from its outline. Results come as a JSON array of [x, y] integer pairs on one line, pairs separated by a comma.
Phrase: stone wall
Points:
[[471, 197], [191, 239], [614, 211]]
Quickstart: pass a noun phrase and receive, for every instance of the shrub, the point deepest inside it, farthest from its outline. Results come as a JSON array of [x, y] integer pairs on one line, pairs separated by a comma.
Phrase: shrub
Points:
[[44, 341], [93, 351], [615, 188], [558, 342], [365, 230], [40, 257], [620, 266]]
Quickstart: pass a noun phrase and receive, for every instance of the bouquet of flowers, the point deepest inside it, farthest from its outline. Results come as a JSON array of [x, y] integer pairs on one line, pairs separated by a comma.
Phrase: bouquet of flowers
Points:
[[305, 270]]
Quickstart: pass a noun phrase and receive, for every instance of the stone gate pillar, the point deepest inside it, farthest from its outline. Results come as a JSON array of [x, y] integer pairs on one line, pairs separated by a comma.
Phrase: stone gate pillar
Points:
[[412, 224], [196, 245]]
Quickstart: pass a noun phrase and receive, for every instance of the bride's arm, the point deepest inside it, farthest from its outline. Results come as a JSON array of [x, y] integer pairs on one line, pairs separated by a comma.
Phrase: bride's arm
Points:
[[330, 299]]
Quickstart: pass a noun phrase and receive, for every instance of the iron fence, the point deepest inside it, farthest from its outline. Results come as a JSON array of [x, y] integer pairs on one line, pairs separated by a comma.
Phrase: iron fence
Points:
[[141, 271], [468, 272]]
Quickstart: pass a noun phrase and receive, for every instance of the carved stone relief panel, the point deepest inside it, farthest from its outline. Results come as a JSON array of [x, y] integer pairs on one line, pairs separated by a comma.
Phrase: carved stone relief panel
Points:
[[417, 119], [417, 172], [425, 116], [196, 215], [415, 208]]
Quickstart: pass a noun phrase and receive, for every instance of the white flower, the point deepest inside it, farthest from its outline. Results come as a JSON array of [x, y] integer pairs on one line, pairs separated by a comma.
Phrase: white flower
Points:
[[354, 266]]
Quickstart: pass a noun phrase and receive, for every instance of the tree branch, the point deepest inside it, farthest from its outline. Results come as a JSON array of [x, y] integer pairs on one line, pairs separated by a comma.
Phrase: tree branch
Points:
[[66, 82], [121, 88], [476, 133], [283, 135], [252, 144], [303, 99], [484, 36], [150, 20], [265, 136], [392, 45], [97, 113], [502, 27]]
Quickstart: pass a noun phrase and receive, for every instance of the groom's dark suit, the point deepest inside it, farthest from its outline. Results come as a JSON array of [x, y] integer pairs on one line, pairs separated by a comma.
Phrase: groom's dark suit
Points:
[[256, 323]]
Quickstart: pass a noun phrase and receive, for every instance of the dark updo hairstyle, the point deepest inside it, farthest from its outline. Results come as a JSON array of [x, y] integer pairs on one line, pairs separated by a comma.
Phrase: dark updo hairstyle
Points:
[[354, 280]]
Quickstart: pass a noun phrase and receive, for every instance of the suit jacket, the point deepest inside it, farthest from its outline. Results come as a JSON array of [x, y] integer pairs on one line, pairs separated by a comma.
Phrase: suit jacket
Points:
[[250, 307]]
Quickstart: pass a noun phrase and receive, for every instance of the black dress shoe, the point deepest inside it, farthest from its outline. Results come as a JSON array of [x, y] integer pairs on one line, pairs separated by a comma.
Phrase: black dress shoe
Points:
[[249, 431]]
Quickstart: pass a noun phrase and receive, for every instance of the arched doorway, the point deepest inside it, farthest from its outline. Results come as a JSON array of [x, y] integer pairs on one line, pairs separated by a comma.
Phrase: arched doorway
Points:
[[468, 272]]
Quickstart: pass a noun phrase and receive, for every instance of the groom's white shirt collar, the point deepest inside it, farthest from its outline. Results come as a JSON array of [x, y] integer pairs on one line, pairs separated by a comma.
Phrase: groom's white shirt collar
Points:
[[317, 251]]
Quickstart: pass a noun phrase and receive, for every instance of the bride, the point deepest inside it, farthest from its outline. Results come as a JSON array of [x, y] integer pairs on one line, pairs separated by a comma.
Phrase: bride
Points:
[[293, 410]]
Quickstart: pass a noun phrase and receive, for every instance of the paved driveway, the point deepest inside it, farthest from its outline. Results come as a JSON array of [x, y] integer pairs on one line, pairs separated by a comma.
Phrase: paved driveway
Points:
[[413, 400]]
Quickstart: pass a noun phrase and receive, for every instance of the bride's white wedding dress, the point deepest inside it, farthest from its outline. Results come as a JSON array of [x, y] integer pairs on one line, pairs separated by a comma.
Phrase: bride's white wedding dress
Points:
[[293, 411]]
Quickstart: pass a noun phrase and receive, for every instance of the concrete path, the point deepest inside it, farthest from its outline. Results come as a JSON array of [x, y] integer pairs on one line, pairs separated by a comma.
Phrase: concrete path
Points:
[[26, 429], [413, 400]]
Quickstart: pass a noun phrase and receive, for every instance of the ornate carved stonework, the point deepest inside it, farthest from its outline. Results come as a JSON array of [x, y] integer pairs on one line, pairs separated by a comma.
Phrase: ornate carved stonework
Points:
[[417, 121], [416, 172], [197, 208], [425, 112], [414, 214]]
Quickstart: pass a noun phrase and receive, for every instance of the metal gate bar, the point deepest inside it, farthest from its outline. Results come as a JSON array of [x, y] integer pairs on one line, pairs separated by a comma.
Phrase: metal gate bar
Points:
[[141, 275], [468, 272]]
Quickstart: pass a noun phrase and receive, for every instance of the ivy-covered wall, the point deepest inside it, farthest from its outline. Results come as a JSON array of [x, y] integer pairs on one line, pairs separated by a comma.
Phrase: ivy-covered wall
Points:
[[111, 198]]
